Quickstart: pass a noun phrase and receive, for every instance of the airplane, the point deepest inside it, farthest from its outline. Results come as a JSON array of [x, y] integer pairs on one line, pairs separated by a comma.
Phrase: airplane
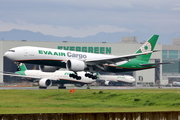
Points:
[[52, 59], [46, 79], [115, 79], [176, 84]]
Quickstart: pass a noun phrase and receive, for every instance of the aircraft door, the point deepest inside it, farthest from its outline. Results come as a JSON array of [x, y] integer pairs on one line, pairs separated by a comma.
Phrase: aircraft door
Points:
[[25, 52]]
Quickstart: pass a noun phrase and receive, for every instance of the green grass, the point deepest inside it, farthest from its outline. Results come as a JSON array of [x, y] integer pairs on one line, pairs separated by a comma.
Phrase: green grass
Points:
[[61, 101]]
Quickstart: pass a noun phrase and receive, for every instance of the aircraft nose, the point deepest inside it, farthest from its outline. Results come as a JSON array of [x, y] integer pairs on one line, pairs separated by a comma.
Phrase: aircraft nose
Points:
[[8, 55]]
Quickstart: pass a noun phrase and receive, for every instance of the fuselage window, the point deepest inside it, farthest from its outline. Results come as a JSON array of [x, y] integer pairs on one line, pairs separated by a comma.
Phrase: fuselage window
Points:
[[11, 50]]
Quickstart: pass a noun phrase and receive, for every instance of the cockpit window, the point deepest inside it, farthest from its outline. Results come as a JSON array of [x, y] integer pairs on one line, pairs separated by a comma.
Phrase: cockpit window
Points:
[[11, 50]]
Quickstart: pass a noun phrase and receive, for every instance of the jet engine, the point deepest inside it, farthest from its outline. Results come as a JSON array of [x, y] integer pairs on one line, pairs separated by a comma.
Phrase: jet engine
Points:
[[44, 83], [75, 65], [106, 82], [79, 85], [48, 68]]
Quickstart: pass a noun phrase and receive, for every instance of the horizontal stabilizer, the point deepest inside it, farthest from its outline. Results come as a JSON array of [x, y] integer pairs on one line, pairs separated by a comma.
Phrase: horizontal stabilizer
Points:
[[156, 50], [156, 63]]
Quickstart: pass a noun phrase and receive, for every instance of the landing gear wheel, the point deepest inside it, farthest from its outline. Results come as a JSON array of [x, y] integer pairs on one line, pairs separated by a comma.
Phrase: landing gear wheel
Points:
[[87, 75], [88, 86], [78, 77], [71, 75], [61, 86], [94, 77], [40, 87], [90, 76]]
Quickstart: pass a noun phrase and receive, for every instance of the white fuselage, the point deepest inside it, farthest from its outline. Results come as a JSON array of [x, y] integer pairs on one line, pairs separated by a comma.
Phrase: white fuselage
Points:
[[36, 53], [116, 78], [59, 75]]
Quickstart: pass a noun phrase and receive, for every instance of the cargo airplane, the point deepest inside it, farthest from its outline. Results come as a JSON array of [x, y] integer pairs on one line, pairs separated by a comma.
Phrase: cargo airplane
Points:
[[53, 59], [46, 79]]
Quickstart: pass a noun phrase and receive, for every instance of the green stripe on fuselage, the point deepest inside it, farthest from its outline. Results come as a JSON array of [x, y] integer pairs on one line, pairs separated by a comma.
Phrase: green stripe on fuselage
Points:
[[132, 65]]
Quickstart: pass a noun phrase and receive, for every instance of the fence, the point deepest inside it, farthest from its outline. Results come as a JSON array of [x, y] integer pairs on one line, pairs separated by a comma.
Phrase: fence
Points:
[[171, 115]]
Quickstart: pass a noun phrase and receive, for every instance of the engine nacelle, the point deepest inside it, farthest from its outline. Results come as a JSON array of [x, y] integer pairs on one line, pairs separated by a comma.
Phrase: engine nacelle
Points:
[[106, 82], [48, 68], [75, 65], [79, 85], [45, 82]]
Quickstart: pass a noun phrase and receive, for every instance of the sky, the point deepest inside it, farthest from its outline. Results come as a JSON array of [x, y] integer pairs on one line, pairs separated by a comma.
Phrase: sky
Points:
[[82, 18]]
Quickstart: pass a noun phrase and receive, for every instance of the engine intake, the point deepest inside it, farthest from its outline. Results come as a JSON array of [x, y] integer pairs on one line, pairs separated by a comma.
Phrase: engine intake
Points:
[[107, 82], [45, 82], [75, 65]]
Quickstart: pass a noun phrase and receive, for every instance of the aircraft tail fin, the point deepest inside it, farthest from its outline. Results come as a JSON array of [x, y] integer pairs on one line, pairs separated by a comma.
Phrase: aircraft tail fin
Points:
[[146, 47], [22, 67], [97, 75]]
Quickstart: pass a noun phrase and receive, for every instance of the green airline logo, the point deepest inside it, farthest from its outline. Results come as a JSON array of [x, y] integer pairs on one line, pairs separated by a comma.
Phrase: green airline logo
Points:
[[146, 47], [67, 73], [51, 53], [98, 50], [69, 54]]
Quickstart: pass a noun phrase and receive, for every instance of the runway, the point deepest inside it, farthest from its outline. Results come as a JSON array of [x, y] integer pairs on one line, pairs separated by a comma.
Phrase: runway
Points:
[[84, 87], [67, 87]]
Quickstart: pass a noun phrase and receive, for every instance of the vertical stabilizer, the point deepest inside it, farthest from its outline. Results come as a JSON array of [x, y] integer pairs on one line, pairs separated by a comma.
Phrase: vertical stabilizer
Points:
[[147, 46], [97, 75], [22, 67]]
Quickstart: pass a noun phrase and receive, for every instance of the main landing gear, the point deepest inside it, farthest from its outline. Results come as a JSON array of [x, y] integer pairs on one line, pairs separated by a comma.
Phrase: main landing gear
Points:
[[90, 75], [75, 76], [61, 86], [88, 86]]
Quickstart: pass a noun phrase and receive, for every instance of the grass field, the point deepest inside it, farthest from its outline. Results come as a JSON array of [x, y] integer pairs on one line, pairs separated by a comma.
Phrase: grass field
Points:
[[88, 100]]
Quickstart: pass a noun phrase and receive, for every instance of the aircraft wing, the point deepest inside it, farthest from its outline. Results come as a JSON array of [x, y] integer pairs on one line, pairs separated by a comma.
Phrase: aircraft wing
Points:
[[114, 59], [17, 75], [27, 76], [156, 63]]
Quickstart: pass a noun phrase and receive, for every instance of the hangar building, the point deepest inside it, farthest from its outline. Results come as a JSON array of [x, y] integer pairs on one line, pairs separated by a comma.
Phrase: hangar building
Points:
[[127, 45]]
